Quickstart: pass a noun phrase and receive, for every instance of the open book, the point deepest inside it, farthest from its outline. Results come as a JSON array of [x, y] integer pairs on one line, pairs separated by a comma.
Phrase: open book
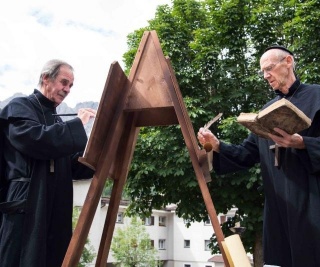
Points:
[[281, 114]]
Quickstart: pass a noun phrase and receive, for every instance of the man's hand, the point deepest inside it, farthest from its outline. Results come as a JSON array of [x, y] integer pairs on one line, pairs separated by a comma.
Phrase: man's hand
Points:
[[206, 136], [85, 114], [287, 140]]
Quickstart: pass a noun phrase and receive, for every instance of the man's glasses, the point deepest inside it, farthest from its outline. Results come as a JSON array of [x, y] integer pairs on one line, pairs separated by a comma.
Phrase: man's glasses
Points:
[[270, 68]]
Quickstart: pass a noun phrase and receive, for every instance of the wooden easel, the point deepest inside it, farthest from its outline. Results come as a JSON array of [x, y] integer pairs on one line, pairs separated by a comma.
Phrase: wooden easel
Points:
[[149, 97]]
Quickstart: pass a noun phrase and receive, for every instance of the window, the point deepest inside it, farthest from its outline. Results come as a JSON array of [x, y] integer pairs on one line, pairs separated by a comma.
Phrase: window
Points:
[[207, 222], [162, 244], [187, 243], [149, 221], [162, 221], [229, 218], [208, 266], [206, 245], [223, 218], [187, 265], [120, 217], [152, 243]]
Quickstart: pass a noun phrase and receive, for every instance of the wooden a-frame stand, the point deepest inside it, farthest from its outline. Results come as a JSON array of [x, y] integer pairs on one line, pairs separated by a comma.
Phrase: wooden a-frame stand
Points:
[[149, 97]]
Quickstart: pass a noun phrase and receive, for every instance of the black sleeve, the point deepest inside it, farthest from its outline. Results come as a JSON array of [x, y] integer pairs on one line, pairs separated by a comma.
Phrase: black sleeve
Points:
[[232, 158], [30, 137]]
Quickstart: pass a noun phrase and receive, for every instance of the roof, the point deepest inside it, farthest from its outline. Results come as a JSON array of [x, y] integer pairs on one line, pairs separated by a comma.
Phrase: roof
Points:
[[216, 258], [219, 258]]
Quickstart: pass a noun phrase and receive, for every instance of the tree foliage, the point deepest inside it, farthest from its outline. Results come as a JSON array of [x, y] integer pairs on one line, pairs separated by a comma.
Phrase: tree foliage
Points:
[[131, 246], [214, 47]]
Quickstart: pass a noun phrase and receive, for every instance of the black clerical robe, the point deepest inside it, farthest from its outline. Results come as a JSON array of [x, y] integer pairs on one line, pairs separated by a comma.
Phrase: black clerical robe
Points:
[[292, 190], [41, 160]]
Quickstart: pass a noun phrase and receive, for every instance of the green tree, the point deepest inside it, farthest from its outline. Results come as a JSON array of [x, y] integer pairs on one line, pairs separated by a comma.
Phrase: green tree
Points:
[[209, 64], [88, 253], [214, 47], [131, 246], [304, 32]]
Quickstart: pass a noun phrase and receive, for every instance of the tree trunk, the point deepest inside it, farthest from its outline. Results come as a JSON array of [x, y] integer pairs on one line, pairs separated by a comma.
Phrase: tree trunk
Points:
[[257, 251]]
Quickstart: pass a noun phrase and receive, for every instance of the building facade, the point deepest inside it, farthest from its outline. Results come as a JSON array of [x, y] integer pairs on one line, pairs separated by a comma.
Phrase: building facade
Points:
[[177, 244]]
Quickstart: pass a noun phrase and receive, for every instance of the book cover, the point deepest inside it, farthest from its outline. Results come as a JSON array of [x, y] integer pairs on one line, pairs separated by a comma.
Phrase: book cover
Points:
[[281, 114]]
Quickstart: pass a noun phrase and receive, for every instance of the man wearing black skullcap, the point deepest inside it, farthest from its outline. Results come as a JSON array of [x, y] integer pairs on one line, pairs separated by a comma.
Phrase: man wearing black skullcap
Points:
[[292, 189]]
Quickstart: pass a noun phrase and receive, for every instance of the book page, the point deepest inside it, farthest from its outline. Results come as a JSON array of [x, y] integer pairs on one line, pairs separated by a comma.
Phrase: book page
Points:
[[249, 120], [281, 114]]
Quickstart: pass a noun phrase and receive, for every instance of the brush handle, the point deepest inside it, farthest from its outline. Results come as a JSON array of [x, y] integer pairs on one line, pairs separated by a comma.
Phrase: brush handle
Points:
[[65, 114]]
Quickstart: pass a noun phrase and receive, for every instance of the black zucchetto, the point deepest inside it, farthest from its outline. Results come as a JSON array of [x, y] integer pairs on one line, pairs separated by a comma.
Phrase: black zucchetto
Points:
[[275, 46]]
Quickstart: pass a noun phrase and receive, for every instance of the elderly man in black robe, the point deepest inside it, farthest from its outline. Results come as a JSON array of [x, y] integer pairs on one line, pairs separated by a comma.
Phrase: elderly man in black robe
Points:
[[40, 160], [292, 189]]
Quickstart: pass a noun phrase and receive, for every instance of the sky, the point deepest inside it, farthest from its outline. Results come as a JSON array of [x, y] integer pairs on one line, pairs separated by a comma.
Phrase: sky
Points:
[[89, 35]]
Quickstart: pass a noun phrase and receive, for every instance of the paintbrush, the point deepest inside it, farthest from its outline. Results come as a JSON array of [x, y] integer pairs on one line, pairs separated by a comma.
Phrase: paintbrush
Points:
[[207, 146], [65, 114]]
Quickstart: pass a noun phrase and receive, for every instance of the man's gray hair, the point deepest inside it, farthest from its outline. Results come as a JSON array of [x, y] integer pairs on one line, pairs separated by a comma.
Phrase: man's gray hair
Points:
[[51, 69]]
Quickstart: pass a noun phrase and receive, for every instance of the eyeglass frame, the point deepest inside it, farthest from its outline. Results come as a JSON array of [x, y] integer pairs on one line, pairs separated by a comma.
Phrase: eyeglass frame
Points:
[[270, 68]]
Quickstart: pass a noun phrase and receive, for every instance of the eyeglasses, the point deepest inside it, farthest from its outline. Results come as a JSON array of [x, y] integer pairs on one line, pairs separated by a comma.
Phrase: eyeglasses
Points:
[[269, 68]]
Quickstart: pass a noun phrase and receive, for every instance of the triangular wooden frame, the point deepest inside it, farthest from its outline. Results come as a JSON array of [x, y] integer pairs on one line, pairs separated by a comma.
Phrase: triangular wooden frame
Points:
[[149, 97]]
